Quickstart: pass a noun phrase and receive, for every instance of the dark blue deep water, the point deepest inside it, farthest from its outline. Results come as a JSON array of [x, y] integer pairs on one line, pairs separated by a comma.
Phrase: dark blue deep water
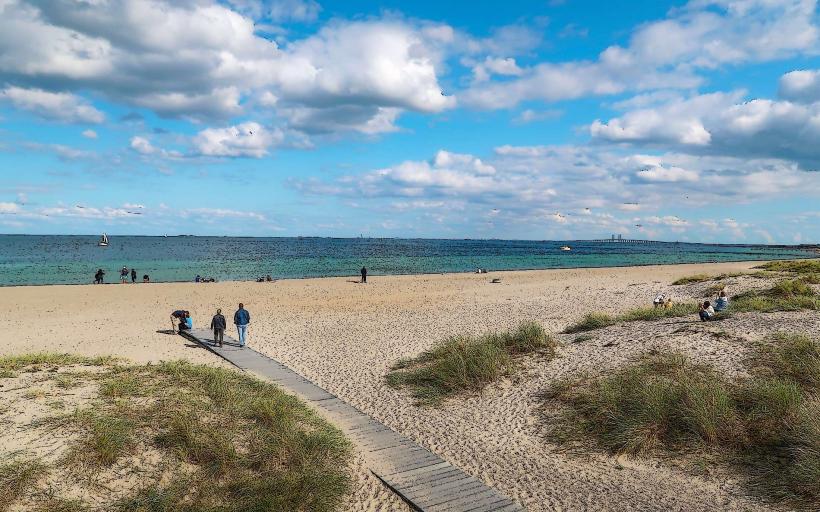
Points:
[[30, 259]]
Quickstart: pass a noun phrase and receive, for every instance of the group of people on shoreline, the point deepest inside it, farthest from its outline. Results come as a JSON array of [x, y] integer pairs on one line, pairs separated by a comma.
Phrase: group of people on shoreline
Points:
[[241, 319], [99, 276]]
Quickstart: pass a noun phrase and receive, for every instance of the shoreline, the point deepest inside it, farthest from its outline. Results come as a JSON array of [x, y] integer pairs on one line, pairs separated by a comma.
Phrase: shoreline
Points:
[[816, 255]]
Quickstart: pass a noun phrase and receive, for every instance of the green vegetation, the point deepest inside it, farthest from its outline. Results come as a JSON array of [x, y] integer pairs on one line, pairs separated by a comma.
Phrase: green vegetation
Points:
[[466, 363], [713, 290], [811, 266], [36, 362], [105, 438], [17, 476], [60, 505], [767, 426], [592, 321], [227, 441], [696, 278], [788, 295], [701, 278]]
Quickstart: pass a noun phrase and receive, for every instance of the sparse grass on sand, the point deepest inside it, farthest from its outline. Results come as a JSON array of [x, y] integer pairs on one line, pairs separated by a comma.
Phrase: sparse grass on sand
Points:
[[595, 320], [227, 442], [767, 426], [787, 295], [467, 363], [701, 278], [809, 266], [17, 476]]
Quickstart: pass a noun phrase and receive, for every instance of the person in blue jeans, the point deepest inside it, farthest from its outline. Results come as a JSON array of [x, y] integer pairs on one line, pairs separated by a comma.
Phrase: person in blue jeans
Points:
[[241, 319]]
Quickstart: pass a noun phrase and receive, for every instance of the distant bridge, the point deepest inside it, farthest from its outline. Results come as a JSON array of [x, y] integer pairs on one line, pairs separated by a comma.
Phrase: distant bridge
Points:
[[629, 241]]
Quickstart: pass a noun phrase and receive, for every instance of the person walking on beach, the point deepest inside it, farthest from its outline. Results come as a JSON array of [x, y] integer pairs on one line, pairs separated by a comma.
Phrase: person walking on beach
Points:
[[133, 276], [98, 277], [241, 319], [124, 275], [364, 275], [218, 325]]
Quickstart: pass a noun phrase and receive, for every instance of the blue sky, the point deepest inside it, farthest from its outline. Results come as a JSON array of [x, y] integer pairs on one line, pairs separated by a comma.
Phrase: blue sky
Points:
[[696, 121]]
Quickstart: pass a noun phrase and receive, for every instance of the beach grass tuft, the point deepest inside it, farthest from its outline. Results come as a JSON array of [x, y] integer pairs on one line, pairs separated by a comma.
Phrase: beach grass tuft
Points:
[[229, 442], [696, 278], [808, 266], [34, 362], [19, 475], [590, 322], [105, 438], [767, 426], [595, 320], [701, 278], [468, 363], [787, 295]]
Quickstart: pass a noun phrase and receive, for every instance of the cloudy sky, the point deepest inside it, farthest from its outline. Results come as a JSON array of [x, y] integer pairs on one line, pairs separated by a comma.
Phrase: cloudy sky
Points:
[[538, 119]]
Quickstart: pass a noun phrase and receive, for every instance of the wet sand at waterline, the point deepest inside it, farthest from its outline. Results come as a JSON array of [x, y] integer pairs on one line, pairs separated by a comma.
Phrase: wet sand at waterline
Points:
[[344, 336]]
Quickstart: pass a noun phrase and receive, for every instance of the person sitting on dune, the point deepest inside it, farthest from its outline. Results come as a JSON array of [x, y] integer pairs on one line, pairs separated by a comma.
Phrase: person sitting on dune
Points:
[[706, 311], [659, 300], [722, 302]]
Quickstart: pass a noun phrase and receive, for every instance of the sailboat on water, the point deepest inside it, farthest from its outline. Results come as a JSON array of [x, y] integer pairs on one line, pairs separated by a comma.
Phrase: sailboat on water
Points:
[[103, 240]]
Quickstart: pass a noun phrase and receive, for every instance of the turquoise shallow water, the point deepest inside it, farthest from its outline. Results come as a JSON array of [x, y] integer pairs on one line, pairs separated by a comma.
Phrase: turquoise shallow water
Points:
[[27, 260]]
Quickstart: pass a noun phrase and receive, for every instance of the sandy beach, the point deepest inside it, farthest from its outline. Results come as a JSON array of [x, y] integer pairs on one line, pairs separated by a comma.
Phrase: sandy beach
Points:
[[344, 336]]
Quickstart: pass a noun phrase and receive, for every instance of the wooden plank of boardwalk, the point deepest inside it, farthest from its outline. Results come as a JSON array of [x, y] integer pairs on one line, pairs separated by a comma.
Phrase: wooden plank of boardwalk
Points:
[[420, 477]]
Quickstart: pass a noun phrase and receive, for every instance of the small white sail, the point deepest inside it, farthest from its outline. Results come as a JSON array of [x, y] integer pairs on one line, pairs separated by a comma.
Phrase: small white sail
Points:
[[103, 240]]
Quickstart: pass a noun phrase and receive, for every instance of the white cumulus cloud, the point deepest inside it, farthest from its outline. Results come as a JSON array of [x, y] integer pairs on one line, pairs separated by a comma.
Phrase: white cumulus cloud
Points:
[[243, 140], [53, 106]]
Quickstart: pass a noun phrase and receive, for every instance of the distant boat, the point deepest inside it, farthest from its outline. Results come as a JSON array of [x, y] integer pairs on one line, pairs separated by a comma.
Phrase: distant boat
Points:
[[103, 240], [566, 248]]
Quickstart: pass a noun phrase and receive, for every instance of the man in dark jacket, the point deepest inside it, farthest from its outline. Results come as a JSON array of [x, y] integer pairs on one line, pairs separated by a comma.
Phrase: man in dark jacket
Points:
[[133, 276], [364, 275], [218, 325], [241, 319]]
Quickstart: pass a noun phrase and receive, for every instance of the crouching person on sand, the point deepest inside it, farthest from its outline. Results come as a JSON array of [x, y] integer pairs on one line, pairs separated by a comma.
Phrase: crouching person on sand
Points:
[[184, 318], [706, 311], [218, 325]]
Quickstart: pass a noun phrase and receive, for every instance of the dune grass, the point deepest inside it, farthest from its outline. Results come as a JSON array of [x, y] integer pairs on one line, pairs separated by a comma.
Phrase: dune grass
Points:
[[787, 295], [767, 426], [17, 475], [596, 320], [36, 361], [702, 278], [809, 266], [228, 441], [467, 363]]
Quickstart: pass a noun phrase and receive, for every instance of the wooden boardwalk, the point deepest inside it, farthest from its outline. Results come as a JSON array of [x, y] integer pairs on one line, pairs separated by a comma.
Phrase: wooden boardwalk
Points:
[[420, 477]]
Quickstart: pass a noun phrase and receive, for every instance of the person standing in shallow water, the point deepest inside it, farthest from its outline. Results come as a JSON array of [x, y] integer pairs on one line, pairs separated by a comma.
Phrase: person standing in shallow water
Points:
[[133, 276], [364, 275], [241, 319]]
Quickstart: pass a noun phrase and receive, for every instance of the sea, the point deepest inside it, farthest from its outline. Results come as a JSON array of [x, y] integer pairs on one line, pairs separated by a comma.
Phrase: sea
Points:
[[51, 259]]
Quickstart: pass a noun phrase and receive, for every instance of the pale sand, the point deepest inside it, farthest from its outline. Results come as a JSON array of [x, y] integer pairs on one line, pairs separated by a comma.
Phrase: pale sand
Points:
[[344, 336]]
